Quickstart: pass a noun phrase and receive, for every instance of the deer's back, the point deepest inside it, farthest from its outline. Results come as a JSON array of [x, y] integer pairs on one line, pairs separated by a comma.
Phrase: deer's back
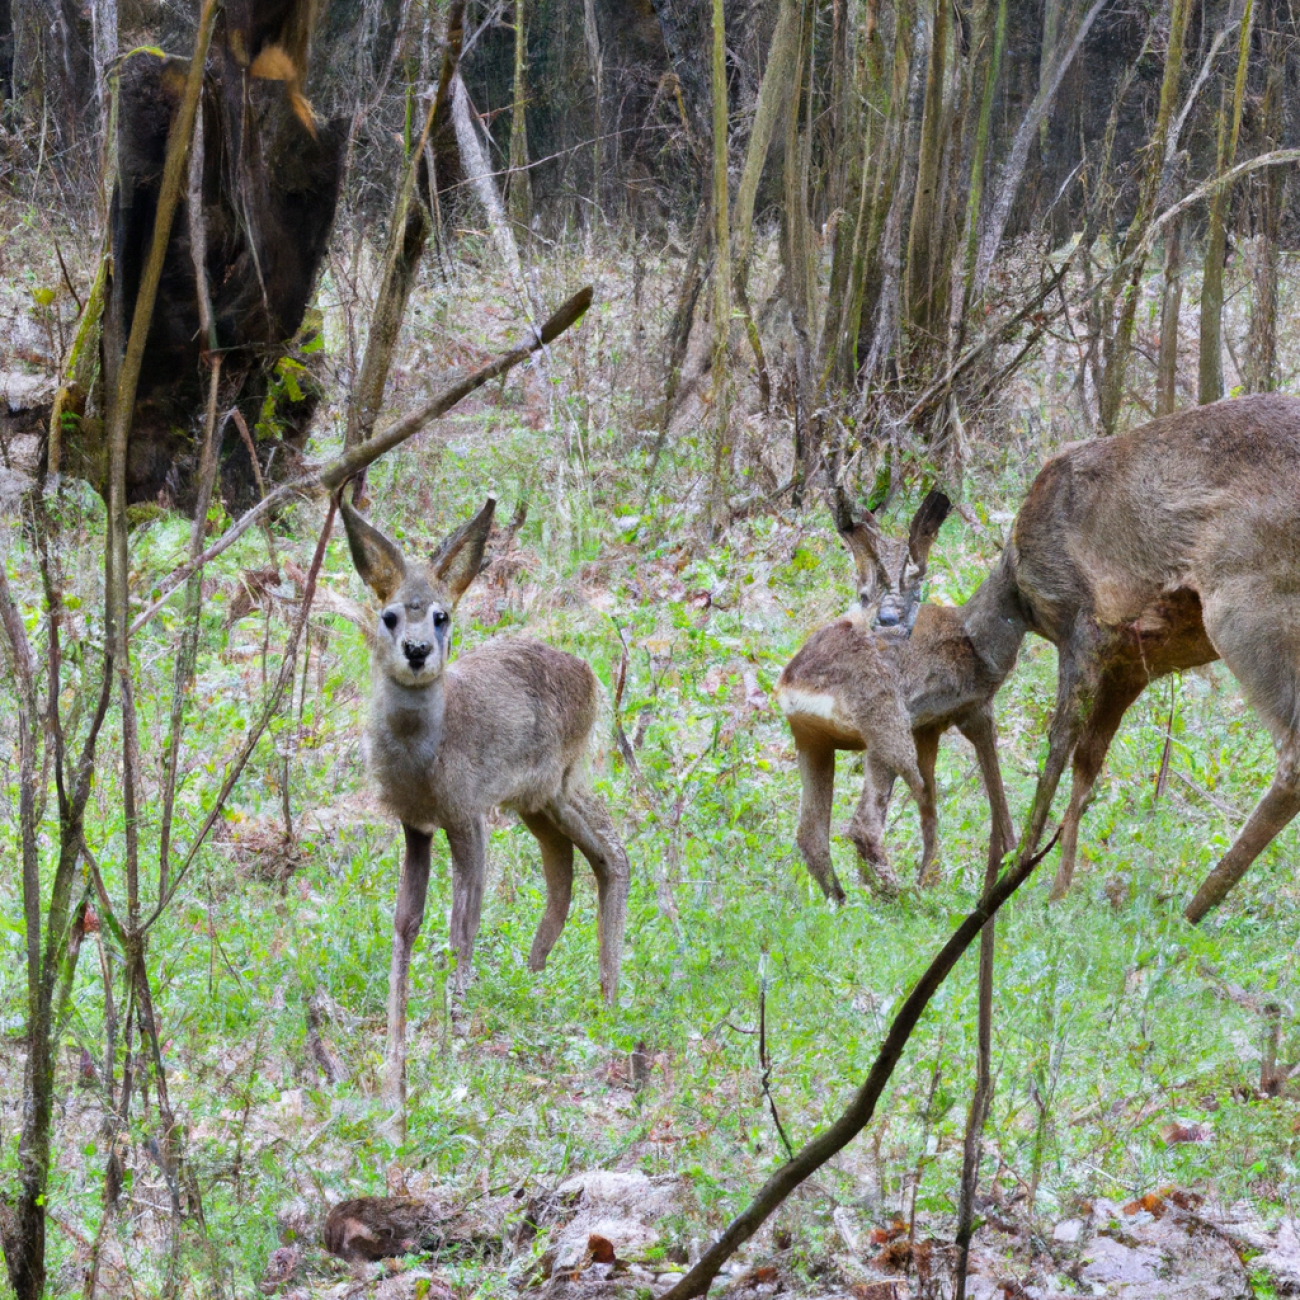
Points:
[[1199, 501], [517, 717]]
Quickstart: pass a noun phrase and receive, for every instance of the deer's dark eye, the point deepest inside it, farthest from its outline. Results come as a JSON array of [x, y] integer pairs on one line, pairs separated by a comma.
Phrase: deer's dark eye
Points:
[[390, 619], [440, 619]]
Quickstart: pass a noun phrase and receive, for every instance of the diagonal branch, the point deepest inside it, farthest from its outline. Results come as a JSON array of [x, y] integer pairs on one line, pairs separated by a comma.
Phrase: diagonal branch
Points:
[[337, 472], [863, 1105]]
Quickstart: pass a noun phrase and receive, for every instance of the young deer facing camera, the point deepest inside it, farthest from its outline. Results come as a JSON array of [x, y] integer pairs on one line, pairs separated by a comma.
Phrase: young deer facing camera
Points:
[[888, 679], [504, 726]]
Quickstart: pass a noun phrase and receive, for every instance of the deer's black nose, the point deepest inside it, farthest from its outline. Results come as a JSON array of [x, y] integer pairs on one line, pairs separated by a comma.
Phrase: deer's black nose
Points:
[[416, 652], [888, 616]]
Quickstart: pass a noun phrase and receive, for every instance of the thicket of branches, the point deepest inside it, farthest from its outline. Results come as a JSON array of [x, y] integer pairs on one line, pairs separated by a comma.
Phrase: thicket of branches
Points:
[[948, 183]]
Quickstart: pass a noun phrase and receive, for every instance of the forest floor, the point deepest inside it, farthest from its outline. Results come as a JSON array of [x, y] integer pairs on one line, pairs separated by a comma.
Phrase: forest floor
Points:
[[1130, 1150]]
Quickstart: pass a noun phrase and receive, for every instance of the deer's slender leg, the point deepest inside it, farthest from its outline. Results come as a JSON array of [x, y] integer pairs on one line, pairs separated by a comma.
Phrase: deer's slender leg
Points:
[[1278, 806], [1078, 672], [1262, 648], [867, 827], [927, 751], [582, 816], [557, 867], [982, 732], [468, 844], [1115, 693], [411, 892], [816, 804]]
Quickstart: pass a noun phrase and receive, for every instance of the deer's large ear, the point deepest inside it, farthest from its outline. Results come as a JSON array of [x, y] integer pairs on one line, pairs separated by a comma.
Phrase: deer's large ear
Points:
[[457, 561], [926, 523], [860, 533], [377, 560]]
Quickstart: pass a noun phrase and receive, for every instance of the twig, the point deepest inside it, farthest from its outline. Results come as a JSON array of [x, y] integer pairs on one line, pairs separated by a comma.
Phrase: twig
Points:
[[982, 1097], [1166, 751], [1232, 814], [337, 472], [863, 1106], [765, 1061], [67, 279], [940, 388], [269, 710]]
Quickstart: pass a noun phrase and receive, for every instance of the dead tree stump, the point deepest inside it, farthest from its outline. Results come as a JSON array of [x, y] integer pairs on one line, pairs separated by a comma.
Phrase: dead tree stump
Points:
[[270, 182]]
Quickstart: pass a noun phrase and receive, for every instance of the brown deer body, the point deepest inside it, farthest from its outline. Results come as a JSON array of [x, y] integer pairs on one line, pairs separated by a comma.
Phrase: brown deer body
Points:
[[506, 725], [890, 694], [1157, 551]]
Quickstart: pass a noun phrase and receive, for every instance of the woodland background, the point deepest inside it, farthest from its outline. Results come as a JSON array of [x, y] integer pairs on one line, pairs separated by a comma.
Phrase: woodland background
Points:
[[887, 245]]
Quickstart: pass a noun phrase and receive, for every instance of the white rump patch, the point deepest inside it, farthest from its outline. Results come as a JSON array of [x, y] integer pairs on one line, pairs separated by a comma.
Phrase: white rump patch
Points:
[[817, 704]]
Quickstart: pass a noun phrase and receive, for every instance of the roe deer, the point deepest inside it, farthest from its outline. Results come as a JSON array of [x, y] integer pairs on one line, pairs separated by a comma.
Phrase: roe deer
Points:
[[504, 726], [890, 693], [1146, 554], [1156, 551]]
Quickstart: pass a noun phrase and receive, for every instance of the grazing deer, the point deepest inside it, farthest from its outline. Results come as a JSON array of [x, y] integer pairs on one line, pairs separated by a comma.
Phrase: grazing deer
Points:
[[890, 690], [1153, 552], [506, 725]]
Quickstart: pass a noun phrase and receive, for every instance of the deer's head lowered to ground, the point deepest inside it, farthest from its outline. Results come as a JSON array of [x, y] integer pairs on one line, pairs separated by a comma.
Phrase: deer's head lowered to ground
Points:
[[889, 679]]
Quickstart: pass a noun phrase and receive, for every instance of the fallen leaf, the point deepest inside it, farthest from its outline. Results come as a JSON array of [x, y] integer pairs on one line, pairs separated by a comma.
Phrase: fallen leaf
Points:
[[600, 1248], [881, 1235], [1178, 1132], [874, 1290]]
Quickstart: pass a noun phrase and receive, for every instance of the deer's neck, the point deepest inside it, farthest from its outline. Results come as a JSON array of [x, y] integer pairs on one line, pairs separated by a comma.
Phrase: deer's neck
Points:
[[406, 731], [995, 621]]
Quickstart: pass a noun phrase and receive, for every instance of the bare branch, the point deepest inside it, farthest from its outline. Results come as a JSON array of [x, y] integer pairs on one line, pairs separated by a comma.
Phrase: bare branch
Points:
[[337, 472], [860, 1110]]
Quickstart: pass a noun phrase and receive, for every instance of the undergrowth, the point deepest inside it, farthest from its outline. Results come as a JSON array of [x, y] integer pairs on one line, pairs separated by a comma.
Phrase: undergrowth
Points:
[[1117, 1024]]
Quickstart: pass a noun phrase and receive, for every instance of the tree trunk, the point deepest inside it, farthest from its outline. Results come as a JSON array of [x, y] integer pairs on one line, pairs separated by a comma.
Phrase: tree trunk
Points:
[[270, 183], [721, 277], [596, 64], [1210, 386], [980, 151], [1047, 51], [1124, 285], [103, 26], [520, 193], [1170, 308], [1261, 347], [869, 273], [925, 305], [799, 257], [773, 93], [773, 99], [6, 50]]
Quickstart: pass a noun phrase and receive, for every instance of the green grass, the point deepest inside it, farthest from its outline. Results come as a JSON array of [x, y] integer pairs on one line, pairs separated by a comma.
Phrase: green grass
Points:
[[1108, 1022]]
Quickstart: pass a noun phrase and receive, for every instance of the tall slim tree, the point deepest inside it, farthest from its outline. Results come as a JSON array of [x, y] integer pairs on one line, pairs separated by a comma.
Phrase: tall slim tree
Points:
[[1270, 191], [520, 193], [926, 273], [1210, 385], [1127, 278], [721, 271]]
